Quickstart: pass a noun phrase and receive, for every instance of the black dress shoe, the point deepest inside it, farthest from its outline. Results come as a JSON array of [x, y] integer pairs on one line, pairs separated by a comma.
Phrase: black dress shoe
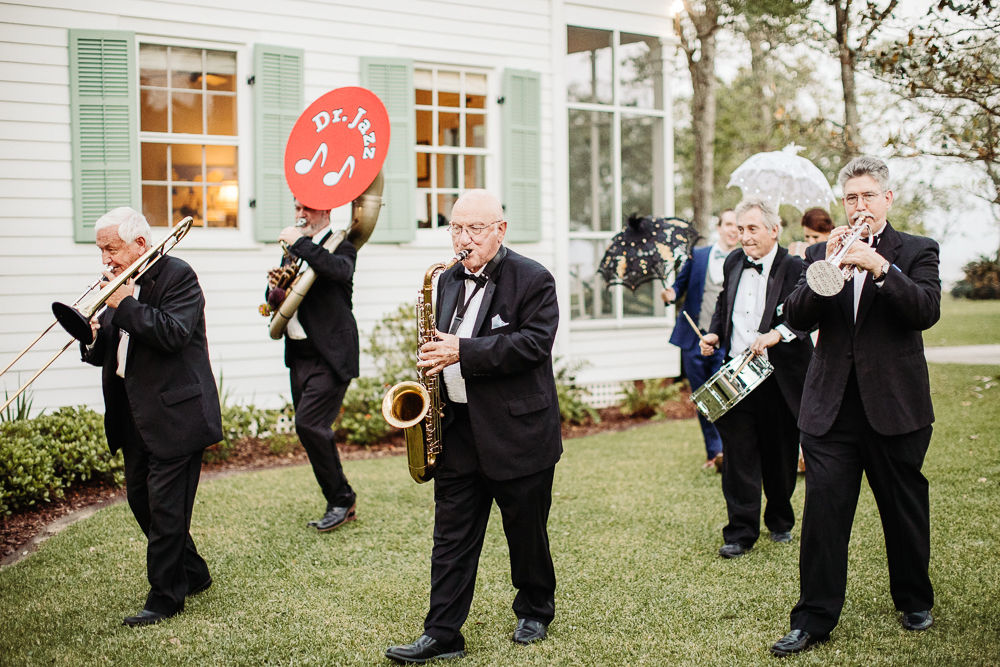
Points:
[[781, 537], [423, 650], [201, 588], [334, 518], [917, 620], [528, 631], [733, 550], [796, 641], [146, 617]]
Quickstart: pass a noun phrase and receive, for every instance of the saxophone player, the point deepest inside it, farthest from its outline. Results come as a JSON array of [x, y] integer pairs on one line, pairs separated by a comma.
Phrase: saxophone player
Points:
[[321, 353], [496, 321]]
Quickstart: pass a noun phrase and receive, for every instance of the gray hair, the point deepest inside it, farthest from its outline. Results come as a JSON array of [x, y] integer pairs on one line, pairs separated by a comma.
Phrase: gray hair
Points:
[[769, 211], [131, 224], [866, 165]]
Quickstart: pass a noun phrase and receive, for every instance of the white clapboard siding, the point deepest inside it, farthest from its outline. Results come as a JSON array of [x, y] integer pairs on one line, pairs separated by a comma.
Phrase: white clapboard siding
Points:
[[40, 262]]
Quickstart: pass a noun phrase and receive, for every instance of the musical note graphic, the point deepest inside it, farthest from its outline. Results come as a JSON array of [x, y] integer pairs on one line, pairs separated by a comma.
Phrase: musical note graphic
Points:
[[304, 166], [333, 177]]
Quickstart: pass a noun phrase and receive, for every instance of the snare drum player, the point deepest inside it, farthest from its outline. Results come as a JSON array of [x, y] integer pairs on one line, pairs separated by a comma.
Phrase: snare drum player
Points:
[[866, 409], [759, 434]]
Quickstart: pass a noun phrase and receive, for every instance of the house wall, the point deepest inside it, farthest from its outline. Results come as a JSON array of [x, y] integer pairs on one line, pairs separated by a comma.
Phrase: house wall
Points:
[[40, 262]]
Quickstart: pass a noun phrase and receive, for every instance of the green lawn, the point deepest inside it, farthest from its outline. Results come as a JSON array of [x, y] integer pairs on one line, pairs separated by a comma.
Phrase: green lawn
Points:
[[965, 322], [635, 527]]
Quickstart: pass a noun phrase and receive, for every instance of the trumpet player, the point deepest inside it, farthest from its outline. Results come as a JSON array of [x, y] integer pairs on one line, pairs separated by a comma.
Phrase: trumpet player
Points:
[[759, 435], [497, 323], [866, 408], [321, 353], [161, 404]]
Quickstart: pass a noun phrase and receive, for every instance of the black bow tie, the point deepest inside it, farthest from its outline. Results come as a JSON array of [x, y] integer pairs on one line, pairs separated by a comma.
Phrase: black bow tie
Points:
[[480, 280], [752, 265]]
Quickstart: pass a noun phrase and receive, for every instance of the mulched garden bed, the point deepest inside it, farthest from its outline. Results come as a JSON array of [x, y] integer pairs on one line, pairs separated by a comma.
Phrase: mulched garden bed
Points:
[[19, 528]]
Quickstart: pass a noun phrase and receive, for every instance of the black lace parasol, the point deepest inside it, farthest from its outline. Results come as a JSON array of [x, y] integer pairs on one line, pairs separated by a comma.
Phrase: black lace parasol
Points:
[[646, 249]]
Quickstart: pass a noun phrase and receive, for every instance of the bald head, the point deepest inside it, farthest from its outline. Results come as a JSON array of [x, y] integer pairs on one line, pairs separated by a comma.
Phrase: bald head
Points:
[[479, 205]]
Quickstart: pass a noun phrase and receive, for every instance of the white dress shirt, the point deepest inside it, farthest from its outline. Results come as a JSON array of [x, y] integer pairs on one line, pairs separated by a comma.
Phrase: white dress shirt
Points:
[[123, 343], [860, 275], [716, 261], [453, 374], [294, 327]]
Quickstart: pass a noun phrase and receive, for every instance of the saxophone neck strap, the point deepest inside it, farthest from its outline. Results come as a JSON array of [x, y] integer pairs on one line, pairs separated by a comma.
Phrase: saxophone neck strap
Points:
[[481, 280]]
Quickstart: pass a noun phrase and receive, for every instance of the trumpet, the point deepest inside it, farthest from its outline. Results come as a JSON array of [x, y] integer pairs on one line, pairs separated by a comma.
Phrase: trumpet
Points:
[[75, 318], [827, 278]]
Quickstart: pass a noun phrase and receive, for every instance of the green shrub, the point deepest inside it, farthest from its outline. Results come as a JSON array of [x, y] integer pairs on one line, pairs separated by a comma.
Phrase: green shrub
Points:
[[982, 280], [40, 457], [645, 398], [393, 345], [360, 421], [573, 408]]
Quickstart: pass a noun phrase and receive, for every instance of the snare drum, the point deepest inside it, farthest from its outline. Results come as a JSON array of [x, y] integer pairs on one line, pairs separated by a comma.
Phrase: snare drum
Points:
[[731, 384]]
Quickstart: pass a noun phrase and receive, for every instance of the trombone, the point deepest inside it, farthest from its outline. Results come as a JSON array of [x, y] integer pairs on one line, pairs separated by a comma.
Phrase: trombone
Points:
[[75, 318]]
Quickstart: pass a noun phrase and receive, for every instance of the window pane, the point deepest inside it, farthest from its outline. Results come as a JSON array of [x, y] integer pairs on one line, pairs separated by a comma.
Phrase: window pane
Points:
[[640, 71], [475, 130], [222, 205], [187, 201], [448, 99], [154, 205], [475, 174], [186, 113], [185, 68], [589, 296], [221, 113], [588, 65], [220, 69], [154, 163], [153, 116], [447, 171], [445, 202], [640, 303], [448, 82], [425, 127], [591, 191], [185, 162], [423, 81], [475, 91], [221, 163], [423, 210], [447, 129], [153, 65], [424, 170], [642, 165]]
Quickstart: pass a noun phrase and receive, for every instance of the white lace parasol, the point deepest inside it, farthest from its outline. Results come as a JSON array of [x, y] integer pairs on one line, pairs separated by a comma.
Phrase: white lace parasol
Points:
[[785, 178]]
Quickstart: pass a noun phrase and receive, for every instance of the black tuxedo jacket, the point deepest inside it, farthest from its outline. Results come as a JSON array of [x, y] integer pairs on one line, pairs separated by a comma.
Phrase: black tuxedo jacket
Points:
[[884, 345], [791, 359], [507, 366], [168, 383], [326, 312]]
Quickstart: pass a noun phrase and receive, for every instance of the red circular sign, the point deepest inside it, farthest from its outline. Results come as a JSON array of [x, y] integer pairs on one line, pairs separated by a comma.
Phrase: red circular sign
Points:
[[337, 148]]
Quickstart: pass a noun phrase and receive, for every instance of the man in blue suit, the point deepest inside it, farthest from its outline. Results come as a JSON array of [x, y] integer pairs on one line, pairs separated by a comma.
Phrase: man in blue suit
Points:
[[701, 280]]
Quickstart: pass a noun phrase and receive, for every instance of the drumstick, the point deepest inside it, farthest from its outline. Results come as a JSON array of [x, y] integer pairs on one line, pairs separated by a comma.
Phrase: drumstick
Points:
[[694, 326]]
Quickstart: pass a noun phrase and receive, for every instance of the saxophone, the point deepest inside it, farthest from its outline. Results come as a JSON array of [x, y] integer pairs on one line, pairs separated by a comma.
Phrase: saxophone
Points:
[[416, 407]]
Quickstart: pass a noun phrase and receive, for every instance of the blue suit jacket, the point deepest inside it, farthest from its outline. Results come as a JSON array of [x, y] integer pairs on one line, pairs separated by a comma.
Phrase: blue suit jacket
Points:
[[690, 281]]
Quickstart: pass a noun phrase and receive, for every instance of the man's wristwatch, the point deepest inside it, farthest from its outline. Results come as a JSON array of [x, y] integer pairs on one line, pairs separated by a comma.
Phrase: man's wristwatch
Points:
[[883, 271]]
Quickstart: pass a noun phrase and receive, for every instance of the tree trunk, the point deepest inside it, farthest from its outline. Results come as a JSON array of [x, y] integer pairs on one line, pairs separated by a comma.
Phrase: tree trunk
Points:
[[764, 78], [703, 128], [848, 61]]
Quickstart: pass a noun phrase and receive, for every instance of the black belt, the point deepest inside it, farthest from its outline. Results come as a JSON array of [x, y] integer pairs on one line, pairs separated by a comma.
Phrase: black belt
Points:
[[302, 348]]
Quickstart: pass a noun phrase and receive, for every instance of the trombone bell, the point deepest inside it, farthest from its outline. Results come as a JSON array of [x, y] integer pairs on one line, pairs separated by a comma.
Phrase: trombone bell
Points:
[[73, 321]]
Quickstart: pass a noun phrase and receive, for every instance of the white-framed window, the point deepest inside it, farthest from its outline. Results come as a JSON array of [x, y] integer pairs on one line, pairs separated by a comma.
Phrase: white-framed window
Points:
[[189, 134], [615, 98], [454, 126]]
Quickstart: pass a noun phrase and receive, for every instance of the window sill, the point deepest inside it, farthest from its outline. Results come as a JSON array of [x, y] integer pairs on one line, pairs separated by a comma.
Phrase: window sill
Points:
[[628, 323], [436, 237], [200, 238]]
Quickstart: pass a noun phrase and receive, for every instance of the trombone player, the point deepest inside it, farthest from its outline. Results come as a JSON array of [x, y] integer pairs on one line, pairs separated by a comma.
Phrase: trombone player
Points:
[[161, 403]]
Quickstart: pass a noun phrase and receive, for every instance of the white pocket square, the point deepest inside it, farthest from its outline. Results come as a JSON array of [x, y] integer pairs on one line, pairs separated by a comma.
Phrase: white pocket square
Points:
[[497, 322]]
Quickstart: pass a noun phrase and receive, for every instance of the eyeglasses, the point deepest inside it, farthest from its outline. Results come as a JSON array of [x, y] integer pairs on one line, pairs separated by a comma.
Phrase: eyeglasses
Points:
[[475, 231], [868, 197]]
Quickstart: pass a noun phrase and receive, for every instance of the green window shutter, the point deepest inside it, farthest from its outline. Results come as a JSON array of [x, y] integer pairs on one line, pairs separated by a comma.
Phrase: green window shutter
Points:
[[105, 125], [522, 164], [279, 98], [392, 80]]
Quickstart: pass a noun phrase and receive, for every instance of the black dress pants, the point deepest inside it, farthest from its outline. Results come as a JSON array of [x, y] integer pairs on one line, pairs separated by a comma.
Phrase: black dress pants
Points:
[[834, 464], [761, 443], [161, 494], [463, 498], [317, 396]]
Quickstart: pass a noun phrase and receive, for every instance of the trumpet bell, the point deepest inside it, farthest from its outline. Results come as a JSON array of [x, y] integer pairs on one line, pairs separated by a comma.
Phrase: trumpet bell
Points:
[[73, 321], [825, 279]]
